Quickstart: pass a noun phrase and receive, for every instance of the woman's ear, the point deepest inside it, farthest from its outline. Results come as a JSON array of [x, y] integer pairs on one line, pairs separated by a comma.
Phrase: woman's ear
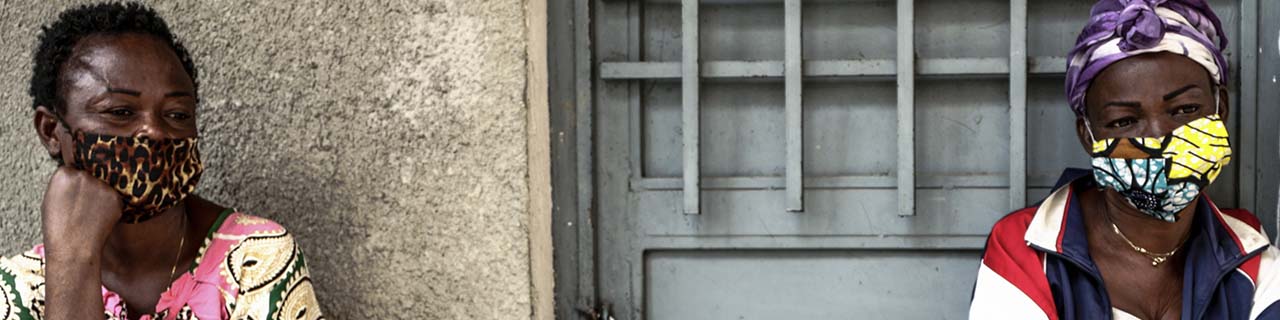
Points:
[[47, 124]]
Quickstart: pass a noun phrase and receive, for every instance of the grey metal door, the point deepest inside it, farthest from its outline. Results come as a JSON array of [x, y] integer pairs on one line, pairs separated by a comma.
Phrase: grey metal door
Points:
[[787, 159]]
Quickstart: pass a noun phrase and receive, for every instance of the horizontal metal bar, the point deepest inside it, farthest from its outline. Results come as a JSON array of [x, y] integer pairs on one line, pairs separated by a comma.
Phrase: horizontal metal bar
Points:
[[849, 68], [830, 68], [703, 241], [1047, 65], [985, 181]]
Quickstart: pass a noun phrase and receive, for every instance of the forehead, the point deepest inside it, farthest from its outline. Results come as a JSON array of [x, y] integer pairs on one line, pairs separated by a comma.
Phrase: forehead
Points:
[[1148, 74], [138, 61]]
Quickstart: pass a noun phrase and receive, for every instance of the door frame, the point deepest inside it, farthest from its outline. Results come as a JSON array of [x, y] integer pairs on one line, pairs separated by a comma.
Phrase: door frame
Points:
[[571, 93]]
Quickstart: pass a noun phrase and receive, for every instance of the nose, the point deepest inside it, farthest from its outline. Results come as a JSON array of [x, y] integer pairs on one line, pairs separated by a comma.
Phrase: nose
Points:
[[1160, 126], [153, 126]]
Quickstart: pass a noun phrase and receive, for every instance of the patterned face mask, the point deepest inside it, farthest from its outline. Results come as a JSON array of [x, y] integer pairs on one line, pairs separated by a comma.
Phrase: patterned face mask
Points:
[[1162, 175], [151, 175]]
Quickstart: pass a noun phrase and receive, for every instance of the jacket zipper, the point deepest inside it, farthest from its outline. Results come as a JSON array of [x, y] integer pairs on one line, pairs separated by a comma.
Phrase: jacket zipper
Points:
[[1106, 297]]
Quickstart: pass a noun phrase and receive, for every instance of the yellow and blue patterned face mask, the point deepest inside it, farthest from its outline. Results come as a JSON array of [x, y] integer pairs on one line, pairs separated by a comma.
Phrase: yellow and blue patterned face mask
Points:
[[1162, 175]]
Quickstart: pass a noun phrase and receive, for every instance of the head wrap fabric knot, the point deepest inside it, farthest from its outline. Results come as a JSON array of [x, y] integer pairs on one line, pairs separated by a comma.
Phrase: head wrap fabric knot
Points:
[[1140, 27], [1119, 29]]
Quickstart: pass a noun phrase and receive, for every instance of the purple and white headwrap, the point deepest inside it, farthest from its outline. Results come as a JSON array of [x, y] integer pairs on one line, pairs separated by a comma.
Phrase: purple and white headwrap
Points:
[[1120, 29]]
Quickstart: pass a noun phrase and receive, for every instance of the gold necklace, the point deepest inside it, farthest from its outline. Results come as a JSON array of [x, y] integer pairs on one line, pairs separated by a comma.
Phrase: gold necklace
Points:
[[182, 241], [1156, 258]]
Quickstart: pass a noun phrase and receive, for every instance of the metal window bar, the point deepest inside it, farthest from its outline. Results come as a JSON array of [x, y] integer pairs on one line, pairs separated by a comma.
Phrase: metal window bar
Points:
[[689, 101], [904, 69], [1017, 104], [794, 108], [1248, 106], [884, 68], [906, 108]]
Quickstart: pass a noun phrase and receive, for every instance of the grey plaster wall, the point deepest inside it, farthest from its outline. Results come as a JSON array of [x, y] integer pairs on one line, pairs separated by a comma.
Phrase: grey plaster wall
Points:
[[388, 135]]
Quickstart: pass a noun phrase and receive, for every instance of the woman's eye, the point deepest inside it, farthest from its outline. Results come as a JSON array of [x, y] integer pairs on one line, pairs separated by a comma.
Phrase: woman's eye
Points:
[[1123, 122], [1187, 109], [180, 115], [120, 112]]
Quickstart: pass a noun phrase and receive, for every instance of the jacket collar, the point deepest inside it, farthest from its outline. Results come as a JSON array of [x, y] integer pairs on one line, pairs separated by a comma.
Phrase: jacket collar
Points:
[[1058, 226]]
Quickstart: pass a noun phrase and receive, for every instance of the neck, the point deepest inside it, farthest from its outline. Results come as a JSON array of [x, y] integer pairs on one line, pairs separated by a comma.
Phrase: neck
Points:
[[1146, 231], [148, 244]]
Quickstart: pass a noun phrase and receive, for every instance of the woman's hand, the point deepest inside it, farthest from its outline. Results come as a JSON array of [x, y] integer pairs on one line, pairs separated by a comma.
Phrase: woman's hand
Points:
[[79, 212]]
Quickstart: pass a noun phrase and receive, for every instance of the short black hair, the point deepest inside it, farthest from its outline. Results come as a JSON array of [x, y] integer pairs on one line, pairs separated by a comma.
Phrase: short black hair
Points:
[[58, 39]]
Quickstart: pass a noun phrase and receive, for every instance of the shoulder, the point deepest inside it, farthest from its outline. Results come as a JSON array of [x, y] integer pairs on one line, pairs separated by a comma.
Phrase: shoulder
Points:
[[241, 223], [1014, 224], [1008, 234], [256, 250], [1007, 250], [1243, 216], [263, 261], [252, 240], [1011, 280], [1262, 269]]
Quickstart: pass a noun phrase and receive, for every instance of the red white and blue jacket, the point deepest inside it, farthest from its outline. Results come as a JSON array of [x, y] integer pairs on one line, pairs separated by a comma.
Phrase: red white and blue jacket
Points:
[[1036, 265]]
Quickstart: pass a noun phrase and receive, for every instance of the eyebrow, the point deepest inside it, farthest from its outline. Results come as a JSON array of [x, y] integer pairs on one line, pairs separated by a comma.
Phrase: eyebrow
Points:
[[124, 91], [1175, 93], [138, 94], [1167, 97]]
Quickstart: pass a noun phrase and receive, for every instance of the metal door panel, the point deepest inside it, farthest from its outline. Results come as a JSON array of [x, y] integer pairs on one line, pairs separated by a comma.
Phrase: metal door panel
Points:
[[1052, 26], [864, 284], [747, 254], [962, 29], [735, 115], [839, 140], [838, 30], [743, 31], [961, 128]]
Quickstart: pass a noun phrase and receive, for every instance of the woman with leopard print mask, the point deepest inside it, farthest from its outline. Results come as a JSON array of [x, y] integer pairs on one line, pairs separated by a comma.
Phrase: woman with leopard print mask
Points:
[[115, 96]]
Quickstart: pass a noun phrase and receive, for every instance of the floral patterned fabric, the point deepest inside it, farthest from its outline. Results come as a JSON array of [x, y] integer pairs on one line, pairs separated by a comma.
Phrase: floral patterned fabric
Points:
[[1163, 175], [248, 268]]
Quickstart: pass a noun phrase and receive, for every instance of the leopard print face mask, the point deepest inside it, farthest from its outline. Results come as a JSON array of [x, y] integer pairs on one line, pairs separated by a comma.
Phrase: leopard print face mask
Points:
[[151, 175]]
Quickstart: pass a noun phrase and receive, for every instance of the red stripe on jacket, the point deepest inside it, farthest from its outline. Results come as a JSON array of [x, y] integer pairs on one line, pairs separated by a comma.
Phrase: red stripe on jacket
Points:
[[1010, 257]]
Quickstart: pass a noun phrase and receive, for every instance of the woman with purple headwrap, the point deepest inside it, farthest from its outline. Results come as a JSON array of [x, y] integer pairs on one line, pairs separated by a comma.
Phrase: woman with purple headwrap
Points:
[[1135, 237]]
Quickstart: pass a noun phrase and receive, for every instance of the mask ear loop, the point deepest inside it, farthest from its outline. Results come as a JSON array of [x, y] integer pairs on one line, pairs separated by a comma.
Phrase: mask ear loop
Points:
[[1088, 127], [66, 127]]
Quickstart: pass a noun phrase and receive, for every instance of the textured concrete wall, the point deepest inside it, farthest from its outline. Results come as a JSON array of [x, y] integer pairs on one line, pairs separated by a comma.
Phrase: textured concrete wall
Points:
[[390, 136]]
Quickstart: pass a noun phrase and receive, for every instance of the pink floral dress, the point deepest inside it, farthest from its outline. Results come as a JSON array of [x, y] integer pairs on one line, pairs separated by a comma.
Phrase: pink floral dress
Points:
[[248, 268]]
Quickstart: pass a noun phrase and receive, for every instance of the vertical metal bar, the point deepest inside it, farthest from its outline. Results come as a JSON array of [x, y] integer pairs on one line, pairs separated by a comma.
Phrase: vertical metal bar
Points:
[[689, 91], [636, 92], [1248, 107], [906, 108], [795, 121], [583, 115], [1017, 104], [573, 285]]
